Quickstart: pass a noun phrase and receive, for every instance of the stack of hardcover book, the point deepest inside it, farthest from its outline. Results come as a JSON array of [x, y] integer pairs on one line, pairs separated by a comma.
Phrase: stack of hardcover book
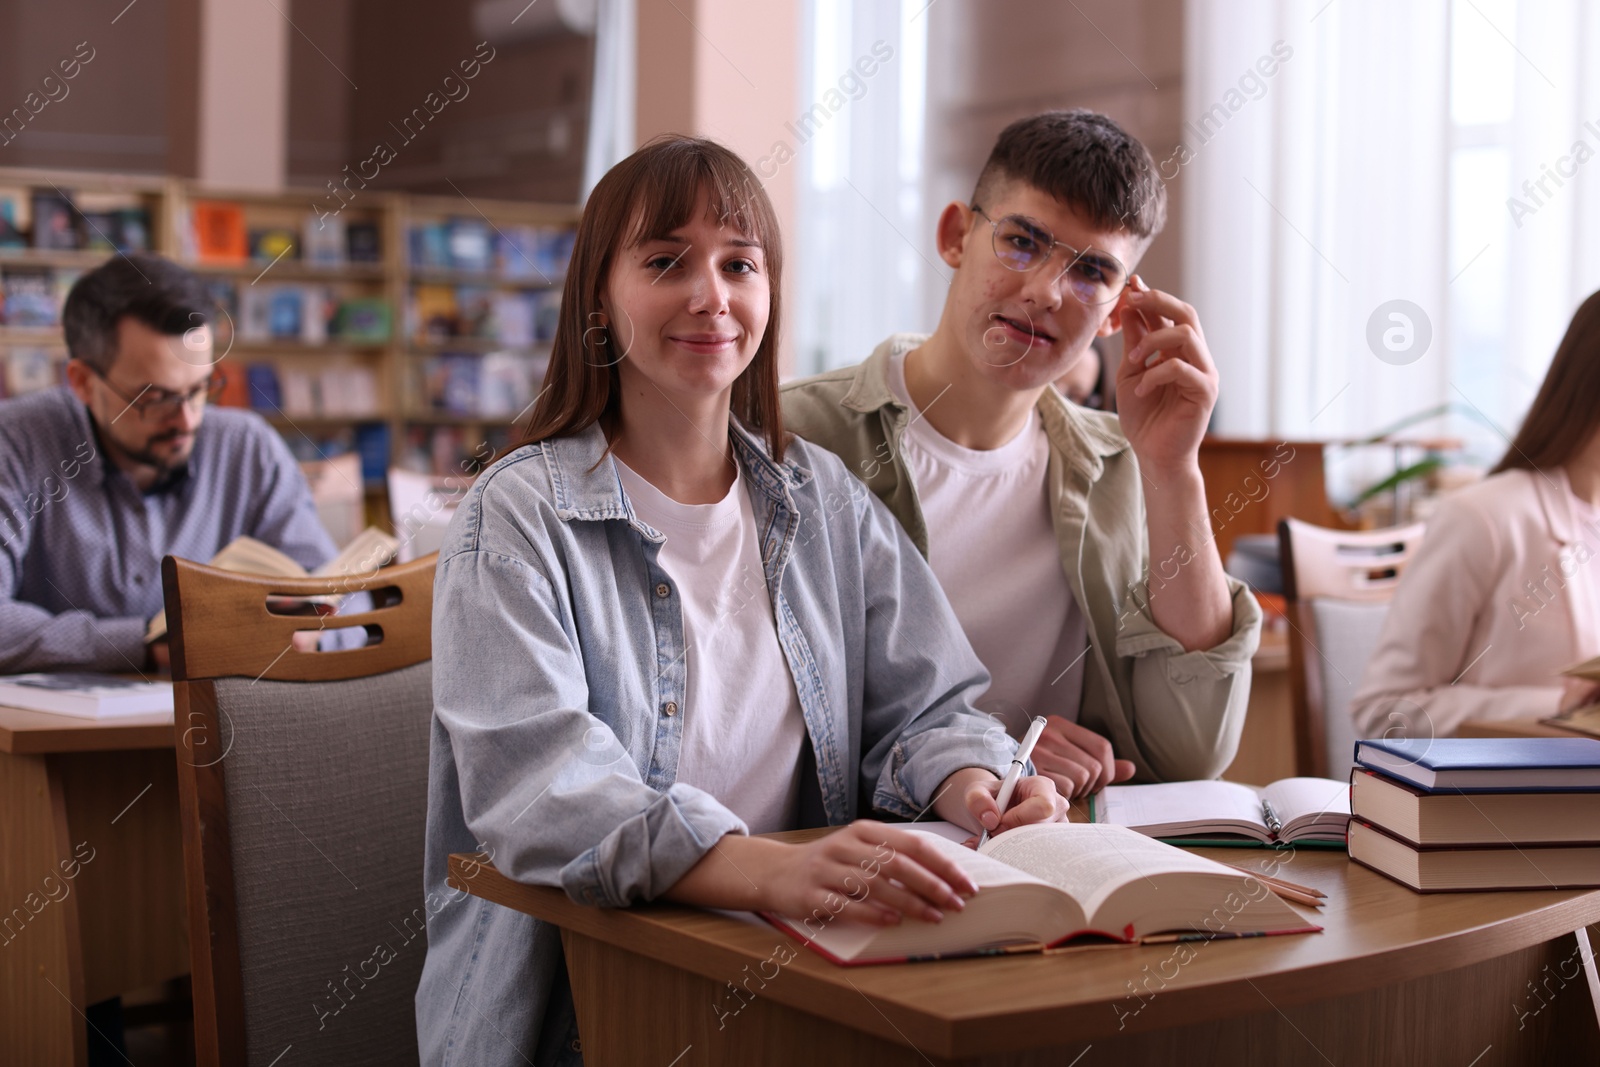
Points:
[[1478, 813]]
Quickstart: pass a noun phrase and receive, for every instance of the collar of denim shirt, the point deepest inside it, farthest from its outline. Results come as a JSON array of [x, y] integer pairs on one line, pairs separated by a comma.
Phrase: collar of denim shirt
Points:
[[586, 485]]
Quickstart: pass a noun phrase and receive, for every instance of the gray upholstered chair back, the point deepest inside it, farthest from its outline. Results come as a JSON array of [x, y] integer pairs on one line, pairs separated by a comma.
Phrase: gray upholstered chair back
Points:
[[326, 789], [302, 786], [1347, 633]]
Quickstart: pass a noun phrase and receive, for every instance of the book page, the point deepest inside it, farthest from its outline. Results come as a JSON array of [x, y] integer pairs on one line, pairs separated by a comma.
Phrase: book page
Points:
[[1297, 797], [1177, 804], [1089, 862], [370, 549], [1311, 806]]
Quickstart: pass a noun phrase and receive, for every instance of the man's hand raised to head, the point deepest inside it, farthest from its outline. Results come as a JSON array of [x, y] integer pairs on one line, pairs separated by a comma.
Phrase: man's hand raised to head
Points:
[[1166, 383]]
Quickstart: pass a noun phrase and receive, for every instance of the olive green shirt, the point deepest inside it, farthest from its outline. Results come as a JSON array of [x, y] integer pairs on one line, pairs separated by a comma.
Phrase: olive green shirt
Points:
[[1177, 715]]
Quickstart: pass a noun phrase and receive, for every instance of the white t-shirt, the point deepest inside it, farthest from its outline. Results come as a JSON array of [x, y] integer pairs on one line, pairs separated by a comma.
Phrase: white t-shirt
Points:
[[994, 550], [743, 731]]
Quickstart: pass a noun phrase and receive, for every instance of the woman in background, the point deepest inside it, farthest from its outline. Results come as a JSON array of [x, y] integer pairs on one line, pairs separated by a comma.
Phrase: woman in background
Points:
[[660, 626], [1503, 593]]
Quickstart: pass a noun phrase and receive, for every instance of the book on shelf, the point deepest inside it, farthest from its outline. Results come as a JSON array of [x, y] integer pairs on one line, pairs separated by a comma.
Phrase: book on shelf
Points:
[[16, 216], [547, 314], [433, 312], [266, 391], [1419, 817], [30, 296], [235, 384], [224, 310], [270, 243], [1458, 868], [474, 311], [363, 242], [56, 223], [1487, 765], [369, 550], [448, 450], [470, 244], [1044, 885], [29, 370], [85, 694], [535, 253], [1308, 811], [285, 312], [301, 398], [219, 232], [324, 240], [365, 320], [512, 317], [429, 246], [372, 445], [507, 383], [112, 222]]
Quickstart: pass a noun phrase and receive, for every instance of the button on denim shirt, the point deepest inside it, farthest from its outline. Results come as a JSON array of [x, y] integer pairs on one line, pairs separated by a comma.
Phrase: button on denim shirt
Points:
[[559, 670]]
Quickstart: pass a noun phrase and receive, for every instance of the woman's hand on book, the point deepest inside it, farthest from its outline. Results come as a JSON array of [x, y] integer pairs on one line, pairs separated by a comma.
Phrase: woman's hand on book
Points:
[[1077, 759], [866, 872]]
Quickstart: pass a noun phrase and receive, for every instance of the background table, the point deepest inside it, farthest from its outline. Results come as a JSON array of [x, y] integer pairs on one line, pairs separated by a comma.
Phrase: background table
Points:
[[1515, 728], [1398, 977], [109, 789]]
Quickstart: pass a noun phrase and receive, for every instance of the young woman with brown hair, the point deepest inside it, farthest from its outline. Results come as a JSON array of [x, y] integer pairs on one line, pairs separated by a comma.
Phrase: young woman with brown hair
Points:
[[1504, 592], [661, 626]]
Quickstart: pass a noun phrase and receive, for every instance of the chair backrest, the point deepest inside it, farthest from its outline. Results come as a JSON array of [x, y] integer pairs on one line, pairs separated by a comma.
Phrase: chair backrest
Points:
[[303, 780], [1337, 585], [421, 507]]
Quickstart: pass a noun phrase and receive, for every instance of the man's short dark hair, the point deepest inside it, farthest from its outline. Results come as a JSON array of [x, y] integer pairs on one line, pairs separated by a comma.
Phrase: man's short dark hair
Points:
[[1087, 162], [153, 290]]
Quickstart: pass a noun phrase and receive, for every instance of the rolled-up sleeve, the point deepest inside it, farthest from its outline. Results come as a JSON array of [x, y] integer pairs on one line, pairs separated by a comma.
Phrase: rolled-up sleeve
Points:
[[544, 781], [1189, 707], [922, 677]]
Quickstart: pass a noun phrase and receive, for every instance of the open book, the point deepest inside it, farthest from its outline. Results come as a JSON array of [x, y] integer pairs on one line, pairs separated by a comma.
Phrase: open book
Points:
[[1042, 885], [1313, 811], [371, 549]]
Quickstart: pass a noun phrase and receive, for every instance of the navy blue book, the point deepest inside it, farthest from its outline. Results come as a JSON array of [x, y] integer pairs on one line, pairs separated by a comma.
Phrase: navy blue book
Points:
[[1487, 764]]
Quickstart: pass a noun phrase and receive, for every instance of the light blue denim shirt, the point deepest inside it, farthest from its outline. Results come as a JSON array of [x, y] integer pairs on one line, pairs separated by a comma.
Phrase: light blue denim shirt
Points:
[[558, 674]]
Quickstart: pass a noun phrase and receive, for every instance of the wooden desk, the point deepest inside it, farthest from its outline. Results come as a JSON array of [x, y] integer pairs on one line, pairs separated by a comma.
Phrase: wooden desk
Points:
[[72, 789], [1515, 728], [1396, 978]]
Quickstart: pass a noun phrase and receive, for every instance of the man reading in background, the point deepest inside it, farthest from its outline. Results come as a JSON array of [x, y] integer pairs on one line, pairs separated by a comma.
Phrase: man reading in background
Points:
[[101, 479]]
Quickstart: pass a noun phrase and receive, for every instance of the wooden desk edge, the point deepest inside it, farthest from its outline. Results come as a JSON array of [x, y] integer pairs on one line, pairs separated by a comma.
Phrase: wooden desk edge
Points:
[[31, 733], [955, 1036]]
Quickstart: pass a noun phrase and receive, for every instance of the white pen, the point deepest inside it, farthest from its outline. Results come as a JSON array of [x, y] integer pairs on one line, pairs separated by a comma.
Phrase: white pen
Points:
[[1008, 785]]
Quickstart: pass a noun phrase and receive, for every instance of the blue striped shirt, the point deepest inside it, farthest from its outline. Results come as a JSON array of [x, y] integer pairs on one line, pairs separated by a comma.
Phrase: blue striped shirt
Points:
[[81, 545]]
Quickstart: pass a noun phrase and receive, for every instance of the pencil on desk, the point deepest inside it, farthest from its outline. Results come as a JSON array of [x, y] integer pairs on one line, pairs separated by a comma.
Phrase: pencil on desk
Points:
[[1300, 894], [1309, 891]]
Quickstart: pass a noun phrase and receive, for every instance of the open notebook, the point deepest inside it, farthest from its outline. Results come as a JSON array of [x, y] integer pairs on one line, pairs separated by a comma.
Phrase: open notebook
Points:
[[1308, 811], [1040, 886]]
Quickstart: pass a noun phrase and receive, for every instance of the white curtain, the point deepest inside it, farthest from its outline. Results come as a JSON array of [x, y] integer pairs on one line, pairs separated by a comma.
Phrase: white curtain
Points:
[[611, 107], [1374, 164], [863, 249]]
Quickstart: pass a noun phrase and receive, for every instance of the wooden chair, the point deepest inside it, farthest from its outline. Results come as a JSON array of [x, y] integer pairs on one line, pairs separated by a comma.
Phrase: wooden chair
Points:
[[1337, 585], [302, 783]]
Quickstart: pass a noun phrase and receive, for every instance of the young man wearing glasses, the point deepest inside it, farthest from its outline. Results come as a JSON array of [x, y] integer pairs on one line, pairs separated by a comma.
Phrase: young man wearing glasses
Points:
[[127, 464], [1094, 600]]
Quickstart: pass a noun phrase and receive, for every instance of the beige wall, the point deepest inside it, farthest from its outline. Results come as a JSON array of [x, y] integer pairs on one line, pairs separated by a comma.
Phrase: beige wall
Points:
[[243, 100], [993, 61]]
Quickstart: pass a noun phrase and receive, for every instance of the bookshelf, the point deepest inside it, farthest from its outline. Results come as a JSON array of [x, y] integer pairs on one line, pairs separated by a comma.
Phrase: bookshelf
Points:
[[45, 245], [410, 330], [480, 287]]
